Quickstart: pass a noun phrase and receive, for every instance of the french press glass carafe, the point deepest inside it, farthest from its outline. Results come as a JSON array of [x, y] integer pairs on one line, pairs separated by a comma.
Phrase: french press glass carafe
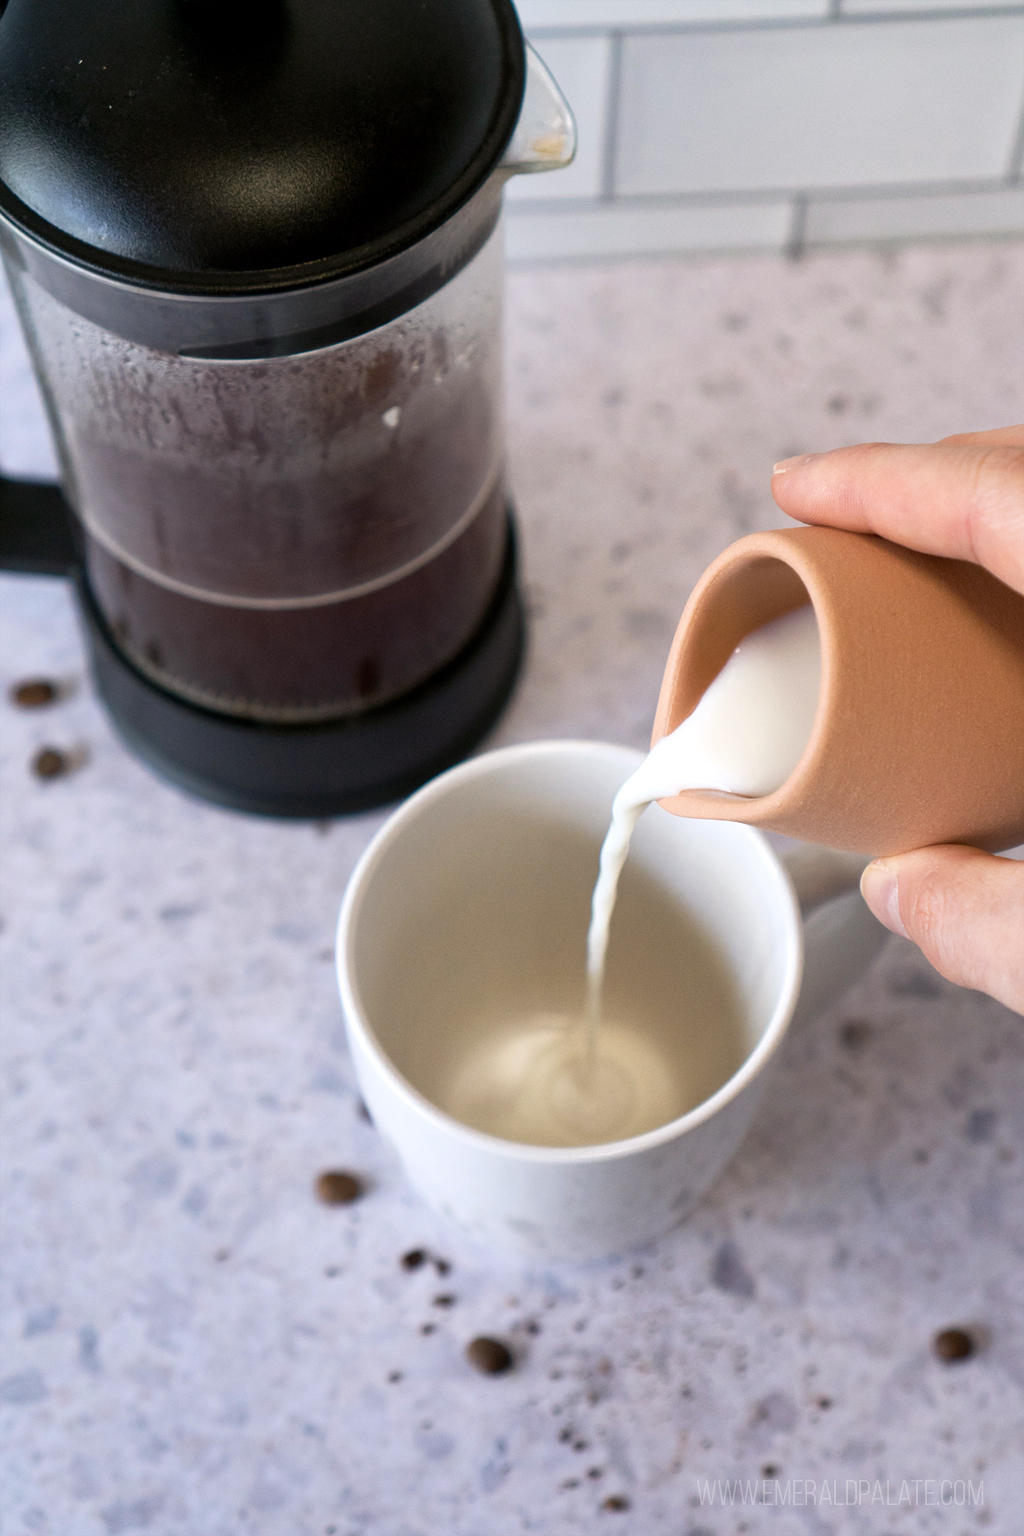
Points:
[[256, 254]]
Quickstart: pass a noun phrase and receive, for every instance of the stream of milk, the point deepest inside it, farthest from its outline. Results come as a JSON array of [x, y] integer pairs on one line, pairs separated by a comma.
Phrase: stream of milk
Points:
[[746, 735]]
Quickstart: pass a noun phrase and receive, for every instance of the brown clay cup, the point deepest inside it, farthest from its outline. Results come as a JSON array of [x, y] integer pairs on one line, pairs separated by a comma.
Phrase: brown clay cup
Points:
[[919, 734]]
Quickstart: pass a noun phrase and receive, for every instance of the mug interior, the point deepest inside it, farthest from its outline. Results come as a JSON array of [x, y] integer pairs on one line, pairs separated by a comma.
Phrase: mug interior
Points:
[[470, 913]]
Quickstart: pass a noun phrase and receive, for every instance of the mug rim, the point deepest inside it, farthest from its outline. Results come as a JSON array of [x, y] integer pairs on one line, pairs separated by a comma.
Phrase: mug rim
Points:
[[357, 1021]]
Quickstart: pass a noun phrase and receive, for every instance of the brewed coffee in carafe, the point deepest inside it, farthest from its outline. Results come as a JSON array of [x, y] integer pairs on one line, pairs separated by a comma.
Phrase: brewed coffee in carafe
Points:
[[291, 538]]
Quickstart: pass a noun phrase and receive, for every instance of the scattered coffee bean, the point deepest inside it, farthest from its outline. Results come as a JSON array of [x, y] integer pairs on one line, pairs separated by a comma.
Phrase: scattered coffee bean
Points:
[[338, 1188], [565, 1434], [446, 1299], [953, 1344], [595, 1472], [489, 1356], [581, 1445], [617, 1504], [394, 1376], [824, 1402], [331, 1271], [414, 1258], [855, 1034], [443, 1267], [35, 693], [770, 1469], [49, 763], [428, 1328]]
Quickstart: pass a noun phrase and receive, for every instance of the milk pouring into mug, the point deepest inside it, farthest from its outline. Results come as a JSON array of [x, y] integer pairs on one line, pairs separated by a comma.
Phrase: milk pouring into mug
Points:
[[897, 719], [591, 1079], [460, 938]]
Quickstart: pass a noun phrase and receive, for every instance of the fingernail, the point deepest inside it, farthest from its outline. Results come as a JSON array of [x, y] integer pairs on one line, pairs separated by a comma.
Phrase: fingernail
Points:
[[785, 465], [880, 888]]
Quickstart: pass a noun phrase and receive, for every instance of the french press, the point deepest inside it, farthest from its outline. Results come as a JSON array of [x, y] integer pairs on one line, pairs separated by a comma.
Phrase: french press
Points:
[[256, 254]]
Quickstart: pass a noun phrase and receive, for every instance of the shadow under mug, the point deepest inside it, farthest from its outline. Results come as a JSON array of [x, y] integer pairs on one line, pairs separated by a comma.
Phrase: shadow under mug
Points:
[[470, 907]]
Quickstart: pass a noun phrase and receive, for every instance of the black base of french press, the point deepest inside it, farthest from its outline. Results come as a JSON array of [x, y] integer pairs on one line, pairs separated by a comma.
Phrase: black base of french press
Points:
[[331, 768]]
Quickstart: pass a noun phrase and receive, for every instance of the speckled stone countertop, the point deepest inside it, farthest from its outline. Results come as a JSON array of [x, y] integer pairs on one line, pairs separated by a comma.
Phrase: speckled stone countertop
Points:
[[192, 1343]]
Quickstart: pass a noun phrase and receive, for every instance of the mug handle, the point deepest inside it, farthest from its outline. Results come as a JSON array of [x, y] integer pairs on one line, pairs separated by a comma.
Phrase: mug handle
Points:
[[841, 935]]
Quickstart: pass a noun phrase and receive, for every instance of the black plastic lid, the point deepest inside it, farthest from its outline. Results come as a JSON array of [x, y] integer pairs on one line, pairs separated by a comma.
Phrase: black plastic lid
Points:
[[218, 145]]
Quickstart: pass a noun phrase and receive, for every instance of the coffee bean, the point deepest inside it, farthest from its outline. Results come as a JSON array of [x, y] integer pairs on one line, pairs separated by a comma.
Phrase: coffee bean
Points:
[[442, 1266], [489, 1356], [414, 1258], [953, 1344], [49, 763], [445, 1300], [855, 1034], [617, 1504], [35, 693], [338, 1188]]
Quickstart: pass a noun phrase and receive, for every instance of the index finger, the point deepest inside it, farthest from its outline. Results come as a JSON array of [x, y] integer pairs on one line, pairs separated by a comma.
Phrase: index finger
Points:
[[962, 497]]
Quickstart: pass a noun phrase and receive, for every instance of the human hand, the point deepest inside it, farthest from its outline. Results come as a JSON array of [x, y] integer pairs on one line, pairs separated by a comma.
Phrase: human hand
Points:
[[964, 498]]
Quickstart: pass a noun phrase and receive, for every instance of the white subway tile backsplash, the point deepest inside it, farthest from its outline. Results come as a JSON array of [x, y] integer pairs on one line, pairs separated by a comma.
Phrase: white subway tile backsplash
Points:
[[846, 220], [581, 66], [658, 13], [826, 106], [619, 230]]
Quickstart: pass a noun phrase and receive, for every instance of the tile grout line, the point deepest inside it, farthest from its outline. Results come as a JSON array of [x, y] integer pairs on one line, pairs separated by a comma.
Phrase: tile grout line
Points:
[[613, 92], [718, 249], [794, 248], [834, 15], [1016, 160], [750, 197]]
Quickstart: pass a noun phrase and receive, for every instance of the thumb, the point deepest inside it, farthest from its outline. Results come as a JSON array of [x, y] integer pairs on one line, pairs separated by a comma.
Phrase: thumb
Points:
[[965, 910]]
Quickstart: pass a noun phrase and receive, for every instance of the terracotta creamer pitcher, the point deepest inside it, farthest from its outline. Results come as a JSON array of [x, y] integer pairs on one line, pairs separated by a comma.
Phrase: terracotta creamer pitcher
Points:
[[919, 732]]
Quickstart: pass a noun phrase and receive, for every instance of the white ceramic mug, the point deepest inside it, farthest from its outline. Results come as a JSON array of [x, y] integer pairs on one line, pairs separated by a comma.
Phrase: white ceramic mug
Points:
[[472, 901]]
